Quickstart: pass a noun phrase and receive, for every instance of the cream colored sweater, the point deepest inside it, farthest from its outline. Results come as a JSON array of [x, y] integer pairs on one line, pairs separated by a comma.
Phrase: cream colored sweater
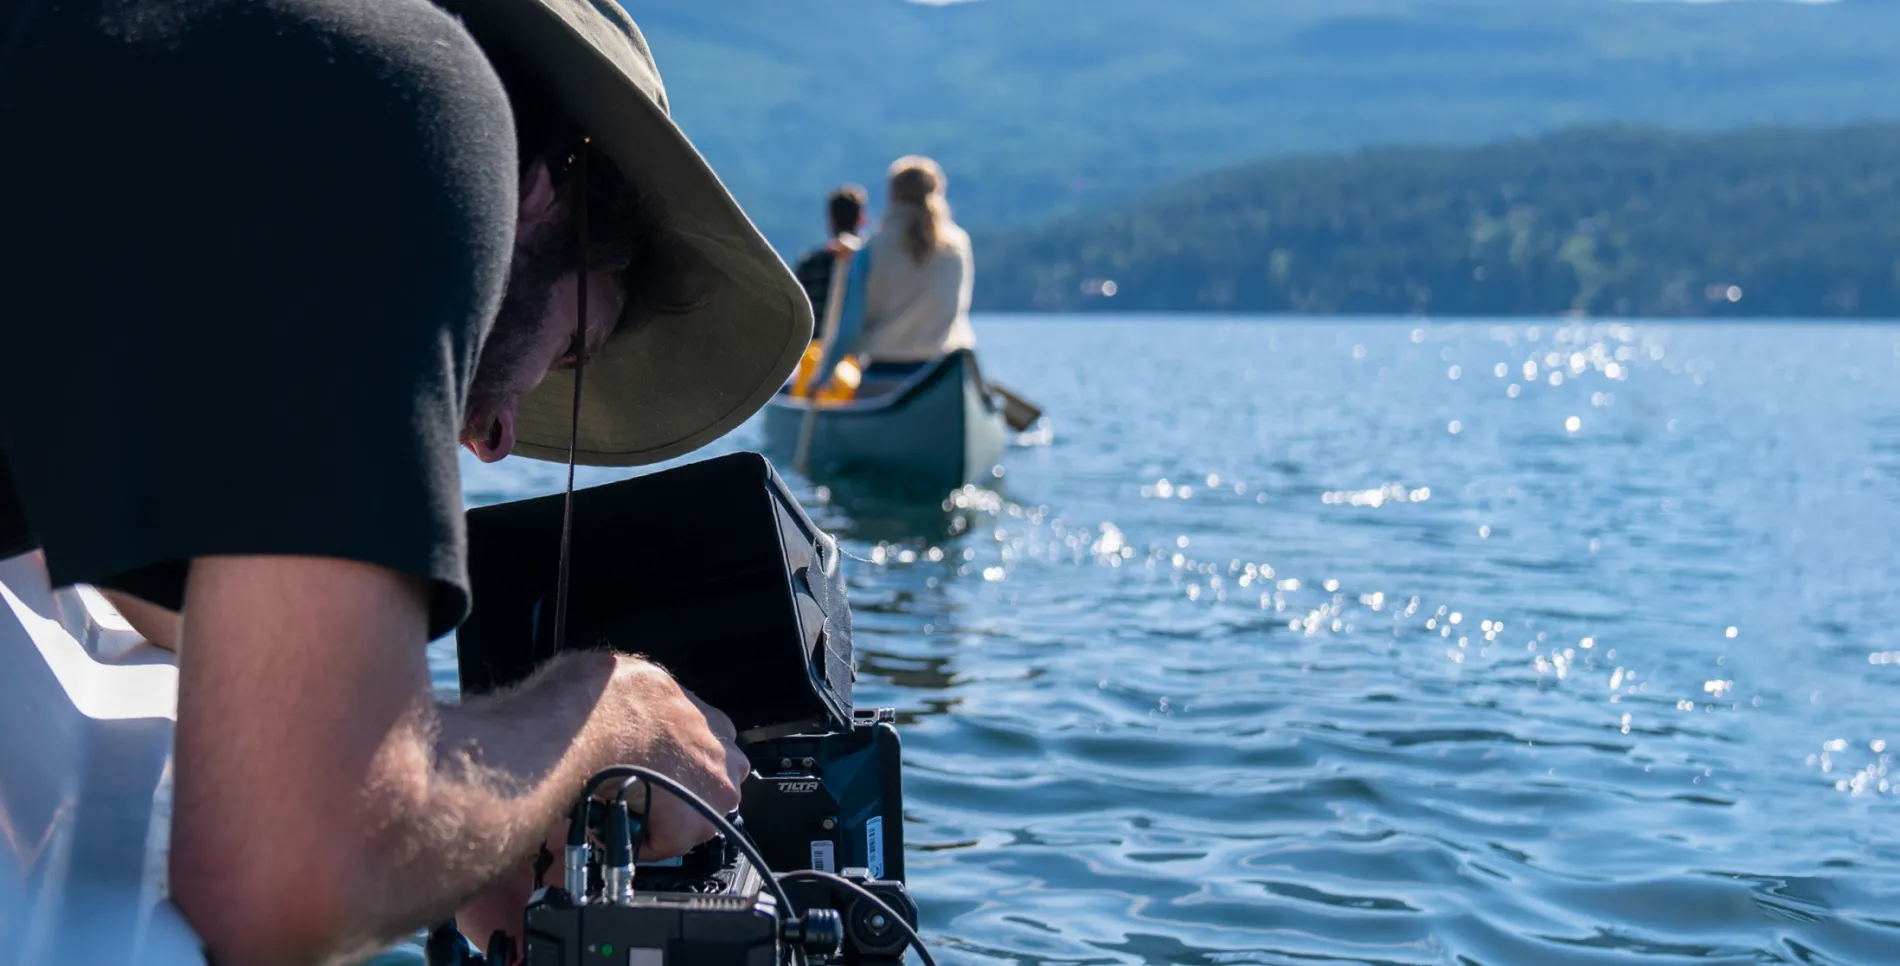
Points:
[[914, 312]]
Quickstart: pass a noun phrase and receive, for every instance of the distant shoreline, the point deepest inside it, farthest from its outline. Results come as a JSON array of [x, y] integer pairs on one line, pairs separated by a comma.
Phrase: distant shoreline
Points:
[[1601, 221]]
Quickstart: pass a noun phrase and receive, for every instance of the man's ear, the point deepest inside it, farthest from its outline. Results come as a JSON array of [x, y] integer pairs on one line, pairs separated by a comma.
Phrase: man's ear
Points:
[[539, 200]]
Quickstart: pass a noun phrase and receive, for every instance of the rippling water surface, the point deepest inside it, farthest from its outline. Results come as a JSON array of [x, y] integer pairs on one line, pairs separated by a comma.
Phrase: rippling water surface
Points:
[[1305, 642]]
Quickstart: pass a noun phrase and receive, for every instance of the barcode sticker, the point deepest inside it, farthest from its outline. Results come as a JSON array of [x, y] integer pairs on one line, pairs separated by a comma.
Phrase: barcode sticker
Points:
[[874, 846], [824, 855]]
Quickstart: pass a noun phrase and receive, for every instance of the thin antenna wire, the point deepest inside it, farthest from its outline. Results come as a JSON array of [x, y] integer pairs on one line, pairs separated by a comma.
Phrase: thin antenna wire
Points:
[[574, 426]]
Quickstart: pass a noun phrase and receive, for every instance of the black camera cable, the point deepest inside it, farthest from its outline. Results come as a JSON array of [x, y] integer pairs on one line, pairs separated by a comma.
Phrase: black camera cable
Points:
[[692, 800], [626, 831], [442, 936], [574, 417], [838, 882], [647, 776], [637, 834]]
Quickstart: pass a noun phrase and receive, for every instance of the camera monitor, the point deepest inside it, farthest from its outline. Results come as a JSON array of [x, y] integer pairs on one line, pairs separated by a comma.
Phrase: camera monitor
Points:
[[711, 569]]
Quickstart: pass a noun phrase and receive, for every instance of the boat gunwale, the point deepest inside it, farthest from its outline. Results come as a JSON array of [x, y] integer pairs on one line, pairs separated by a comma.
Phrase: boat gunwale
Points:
[[914, 385]]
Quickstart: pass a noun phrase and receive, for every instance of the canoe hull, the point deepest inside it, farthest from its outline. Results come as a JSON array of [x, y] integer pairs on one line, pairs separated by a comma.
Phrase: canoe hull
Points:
[[87, 709], [939, 430]]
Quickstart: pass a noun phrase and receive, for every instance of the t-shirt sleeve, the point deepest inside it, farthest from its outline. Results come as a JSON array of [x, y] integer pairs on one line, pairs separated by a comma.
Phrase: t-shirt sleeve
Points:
[[266, 242]]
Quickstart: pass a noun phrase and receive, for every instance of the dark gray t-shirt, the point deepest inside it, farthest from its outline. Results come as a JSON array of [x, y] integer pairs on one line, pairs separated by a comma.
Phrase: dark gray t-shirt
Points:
[[249, 252]]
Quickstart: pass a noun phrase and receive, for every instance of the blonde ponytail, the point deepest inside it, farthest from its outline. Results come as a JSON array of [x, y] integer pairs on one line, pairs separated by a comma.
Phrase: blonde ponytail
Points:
[[918, 205]]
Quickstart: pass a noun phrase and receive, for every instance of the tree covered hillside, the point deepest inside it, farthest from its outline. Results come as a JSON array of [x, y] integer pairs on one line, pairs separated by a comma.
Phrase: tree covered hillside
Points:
[[1042, 107], [1778, 221]]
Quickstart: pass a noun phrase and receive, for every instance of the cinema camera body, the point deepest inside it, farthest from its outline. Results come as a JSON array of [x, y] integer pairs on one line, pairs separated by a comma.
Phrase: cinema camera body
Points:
[[715, 572]]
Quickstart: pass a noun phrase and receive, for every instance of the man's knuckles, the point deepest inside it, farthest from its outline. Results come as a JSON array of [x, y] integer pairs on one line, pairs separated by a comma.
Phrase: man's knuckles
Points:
[[681, 836]]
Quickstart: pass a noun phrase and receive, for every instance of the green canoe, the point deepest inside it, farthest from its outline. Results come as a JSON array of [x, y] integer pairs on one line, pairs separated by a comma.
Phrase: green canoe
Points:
[[938, 429]]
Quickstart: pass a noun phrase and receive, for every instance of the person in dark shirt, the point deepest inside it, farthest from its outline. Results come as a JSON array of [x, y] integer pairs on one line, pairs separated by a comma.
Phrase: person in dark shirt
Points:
[[844, 211], [267, 263]]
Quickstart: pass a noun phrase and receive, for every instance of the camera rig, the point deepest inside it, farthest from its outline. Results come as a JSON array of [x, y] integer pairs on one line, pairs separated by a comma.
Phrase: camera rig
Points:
[[714, 571]]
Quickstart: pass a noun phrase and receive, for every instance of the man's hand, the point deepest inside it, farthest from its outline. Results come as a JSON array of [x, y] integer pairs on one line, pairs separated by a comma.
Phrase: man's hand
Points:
[[673, 732], [665, 728]]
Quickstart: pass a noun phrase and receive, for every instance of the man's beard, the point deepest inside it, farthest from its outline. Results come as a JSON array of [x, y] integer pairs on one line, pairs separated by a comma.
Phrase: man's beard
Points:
[[538, 263]]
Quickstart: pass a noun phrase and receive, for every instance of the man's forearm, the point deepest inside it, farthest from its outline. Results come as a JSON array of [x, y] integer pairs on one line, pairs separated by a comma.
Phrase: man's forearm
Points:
[[324, 804], [454, 796], [498, 773]]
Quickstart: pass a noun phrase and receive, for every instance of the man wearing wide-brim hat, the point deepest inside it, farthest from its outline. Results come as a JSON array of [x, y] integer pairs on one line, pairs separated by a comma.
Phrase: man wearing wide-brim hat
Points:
[[268, 262]]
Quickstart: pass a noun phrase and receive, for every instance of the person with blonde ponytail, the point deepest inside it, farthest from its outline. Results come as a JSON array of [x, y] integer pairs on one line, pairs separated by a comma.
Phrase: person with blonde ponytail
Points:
[[917, 300]]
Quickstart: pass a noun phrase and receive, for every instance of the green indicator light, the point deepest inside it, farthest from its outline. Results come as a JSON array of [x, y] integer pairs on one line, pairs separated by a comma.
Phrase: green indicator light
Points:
[[606, 949]]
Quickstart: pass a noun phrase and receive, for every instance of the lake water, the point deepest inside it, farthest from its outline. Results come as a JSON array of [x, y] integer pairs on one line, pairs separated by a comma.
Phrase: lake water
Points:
[[1312, 642]]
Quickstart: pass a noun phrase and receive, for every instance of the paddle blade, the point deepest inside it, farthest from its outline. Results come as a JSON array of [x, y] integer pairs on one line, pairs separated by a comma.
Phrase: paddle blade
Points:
[[1018, 413]]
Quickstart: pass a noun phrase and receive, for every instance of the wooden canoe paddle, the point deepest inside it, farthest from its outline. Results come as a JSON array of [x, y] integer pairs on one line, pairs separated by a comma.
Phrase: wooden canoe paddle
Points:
[[834, 310], [1018, 413]]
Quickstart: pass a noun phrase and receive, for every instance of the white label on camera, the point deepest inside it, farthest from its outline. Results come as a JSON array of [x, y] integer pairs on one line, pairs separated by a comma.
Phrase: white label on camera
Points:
[[824, 855], [646, 957], [874, 846]]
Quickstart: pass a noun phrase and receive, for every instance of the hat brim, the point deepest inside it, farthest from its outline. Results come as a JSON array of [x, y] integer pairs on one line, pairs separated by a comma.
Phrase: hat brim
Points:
[[664, 386]]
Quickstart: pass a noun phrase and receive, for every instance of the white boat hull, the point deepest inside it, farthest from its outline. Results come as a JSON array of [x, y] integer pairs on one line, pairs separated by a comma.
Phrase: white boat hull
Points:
[[87, 709]]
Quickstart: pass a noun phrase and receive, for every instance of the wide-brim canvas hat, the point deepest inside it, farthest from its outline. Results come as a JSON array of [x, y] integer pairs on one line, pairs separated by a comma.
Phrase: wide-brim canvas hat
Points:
[[677, 382]]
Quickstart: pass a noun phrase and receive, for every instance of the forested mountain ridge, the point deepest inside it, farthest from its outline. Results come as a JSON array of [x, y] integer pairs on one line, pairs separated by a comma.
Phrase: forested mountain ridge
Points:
[[1044, 107], [1606, 221]]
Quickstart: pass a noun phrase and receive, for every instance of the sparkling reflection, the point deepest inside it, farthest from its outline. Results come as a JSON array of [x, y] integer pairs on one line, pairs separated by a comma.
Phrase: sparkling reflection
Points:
[[1260, 661]]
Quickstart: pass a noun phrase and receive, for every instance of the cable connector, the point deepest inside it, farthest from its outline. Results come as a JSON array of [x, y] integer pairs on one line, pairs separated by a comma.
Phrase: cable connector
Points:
[[617, 839], [574, 866]]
